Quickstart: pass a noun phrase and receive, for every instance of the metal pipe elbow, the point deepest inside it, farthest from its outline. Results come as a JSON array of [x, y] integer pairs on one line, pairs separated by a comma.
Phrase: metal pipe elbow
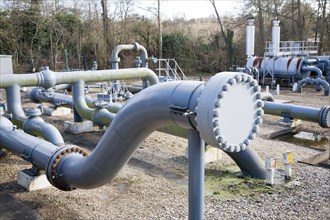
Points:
[[324, 84], [144, 53], [102, 117], [313, 69], [207, 108], [98, 116], [38, 127]]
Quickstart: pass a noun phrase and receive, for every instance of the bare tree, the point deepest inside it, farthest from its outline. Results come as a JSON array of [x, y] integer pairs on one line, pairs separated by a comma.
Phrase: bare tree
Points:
[[322, 5], [106, 28], [228, 37]]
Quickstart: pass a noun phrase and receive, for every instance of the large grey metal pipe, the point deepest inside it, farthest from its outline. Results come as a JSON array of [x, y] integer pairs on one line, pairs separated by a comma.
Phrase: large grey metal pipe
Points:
[[32, 125], [319, 115], [158, 106], [99, 116], [32, 149], [38, 95], [59, 99], [48, 78], [248, 160]]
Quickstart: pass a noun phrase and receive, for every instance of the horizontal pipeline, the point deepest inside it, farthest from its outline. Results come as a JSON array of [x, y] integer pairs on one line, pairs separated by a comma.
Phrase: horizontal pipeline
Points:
[[318, 115], [48, 78]]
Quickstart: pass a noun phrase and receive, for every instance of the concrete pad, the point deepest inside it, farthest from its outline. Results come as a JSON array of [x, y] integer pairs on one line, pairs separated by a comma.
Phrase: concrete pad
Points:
[[32, 183], [59, 111], [280, 101], [211, 154], [11, 208], [78, 127]]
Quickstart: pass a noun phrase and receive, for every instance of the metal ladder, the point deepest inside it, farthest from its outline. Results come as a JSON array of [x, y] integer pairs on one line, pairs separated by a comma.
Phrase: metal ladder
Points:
[[171, 68]]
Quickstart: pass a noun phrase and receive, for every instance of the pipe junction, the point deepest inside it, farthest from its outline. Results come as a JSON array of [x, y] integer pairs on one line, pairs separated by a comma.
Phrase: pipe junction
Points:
[[188, 104]]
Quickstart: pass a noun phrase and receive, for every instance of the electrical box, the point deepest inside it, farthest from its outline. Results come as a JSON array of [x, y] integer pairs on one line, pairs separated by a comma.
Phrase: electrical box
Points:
[[6, 65]]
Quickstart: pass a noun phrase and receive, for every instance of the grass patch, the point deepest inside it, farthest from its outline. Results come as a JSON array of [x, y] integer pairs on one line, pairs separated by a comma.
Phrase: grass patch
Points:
[[231, 183]]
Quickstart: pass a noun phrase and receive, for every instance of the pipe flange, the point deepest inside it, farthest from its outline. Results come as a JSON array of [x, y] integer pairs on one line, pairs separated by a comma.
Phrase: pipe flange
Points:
[[233, 119], [32, 93], [33, 112], [53, 174], [324, 117]]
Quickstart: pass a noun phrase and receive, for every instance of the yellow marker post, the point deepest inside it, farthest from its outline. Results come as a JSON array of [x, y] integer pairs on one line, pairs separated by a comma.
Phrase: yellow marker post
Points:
[[287, 160]]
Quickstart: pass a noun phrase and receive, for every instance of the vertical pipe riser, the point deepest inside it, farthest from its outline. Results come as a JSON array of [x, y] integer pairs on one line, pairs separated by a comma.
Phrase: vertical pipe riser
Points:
[[196, 175]]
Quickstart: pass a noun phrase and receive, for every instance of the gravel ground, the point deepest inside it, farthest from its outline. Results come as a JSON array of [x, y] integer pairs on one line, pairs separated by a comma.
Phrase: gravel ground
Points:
[[153, 185]]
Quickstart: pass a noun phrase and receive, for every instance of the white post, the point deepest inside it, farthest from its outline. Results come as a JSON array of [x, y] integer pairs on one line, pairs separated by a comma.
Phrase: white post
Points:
[[267, 89], [250, 30], [277, 89], [270, 170], [276, 32]]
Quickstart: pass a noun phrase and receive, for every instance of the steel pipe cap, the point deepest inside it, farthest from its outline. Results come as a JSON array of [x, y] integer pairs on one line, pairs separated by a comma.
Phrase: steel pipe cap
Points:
[[237, 117]]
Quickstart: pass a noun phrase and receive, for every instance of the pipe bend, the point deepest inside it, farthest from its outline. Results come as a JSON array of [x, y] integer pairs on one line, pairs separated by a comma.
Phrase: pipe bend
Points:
[[313, 69], [318, 81], [144, 113], [38, 127], [34, 125], [301, 83], [98, 116], [149, 111]]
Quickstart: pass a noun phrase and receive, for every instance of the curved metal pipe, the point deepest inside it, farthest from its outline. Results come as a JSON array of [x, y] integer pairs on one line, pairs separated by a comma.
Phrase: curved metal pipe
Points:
[[31, 125], [312, 69], [310, 61], [98, 116], [327, 63], [249, 161], [135, 46], [120, 141], [115, 58], [148, 111], [48, 79], [312, 81]]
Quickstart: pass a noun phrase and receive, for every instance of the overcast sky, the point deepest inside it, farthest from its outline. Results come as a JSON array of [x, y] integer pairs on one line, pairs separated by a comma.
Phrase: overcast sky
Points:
[[190, 8]]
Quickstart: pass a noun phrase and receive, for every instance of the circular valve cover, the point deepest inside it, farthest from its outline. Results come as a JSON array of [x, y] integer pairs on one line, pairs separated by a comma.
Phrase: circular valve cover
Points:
[[229, 111]]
